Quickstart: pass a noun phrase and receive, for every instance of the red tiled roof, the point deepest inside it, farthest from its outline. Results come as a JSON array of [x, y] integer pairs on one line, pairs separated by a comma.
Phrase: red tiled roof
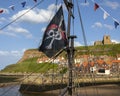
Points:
[[116, 61]]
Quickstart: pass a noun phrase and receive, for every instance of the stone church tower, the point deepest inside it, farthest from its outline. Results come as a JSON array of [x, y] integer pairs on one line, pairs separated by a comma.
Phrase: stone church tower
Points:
[[106, 40]]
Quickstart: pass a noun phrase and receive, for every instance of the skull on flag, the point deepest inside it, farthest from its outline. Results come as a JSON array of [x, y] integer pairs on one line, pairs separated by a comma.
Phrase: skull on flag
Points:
[[53, 33], [54, 38]]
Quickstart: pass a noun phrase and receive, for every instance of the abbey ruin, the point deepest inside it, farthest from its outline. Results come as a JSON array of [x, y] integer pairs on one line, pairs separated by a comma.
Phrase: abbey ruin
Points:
[[106, 40]]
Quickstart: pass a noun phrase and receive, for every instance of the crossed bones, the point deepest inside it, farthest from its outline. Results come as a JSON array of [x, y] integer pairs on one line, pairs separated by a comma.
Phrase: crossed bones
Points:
[[55, 35]]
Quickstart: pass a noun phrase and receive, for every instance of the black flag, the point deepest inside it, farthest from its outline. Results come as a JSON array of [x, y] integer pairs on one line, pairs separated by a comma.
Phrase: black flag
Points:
[[54, 38]]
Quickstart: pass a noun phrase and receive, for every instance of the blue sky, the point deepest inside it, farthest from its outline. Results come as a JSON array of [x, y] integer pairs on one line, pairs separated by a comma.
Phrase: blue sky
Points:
[[26, 32]]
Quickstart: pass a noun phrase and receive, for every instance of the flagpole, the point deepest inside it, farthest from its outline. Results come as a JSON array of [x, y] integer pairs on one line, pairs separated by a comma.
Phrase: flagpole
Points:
[[70, 47]]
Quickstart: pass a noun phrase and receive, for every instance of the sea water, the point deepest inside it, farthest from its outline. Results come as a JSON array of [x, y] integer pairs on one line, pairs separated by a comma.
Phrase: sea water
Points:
[[100, 90]]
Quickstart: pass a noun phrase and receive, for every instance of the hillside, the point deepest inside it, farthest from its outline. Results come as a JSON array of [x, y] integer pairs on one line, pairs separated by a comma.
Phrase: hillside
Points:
[[28, 62], [30, 65], [31, 53], [110, 50]]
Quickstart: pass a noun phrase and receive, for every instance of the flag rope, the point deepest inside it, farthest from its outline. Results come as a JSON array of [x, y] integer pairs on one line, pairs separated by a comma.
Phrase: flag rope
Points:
[[21, 15], [116, 22]]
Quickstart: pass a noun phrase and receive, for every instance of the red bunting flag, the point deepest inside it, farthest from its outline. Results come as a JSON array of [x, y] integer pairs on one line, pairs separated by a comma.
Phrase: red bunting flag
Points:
[[96, 6], [1, 10]]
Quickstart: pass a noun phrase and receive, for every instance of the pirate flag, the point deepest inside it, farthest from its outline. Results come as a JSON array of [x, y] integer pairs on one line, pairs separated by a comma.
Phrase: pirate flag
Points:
[[54, 38]]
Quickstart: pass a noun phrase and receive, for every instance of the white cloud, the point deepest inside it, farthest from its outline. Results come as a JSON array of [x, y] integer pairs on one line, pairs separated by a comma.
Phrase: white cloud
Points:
[[36, 15], [19, 30], [113, 5], [12, 53], [91, 42], [110, 27], [4, 53], [43, 29], [8, 33], [97, 24], [15, 30], [10, 57], [2, 20], [76, 43], [53, 7], [85, 4], [100, 25], [15, 53], [116, 41]]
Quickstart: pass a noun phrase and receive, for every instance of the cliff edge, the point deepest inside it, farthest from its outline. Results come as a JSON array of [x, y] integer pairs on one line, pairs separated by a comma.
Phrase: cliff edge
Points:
[[30, 53]]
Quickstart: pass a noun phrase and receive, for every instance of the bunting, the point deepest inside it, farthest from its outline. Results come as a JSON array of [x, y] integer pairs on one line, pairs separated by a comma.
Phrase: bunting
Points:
[[23, 4], [12, 7], [1, 11], [96, 6], [35, 0], [116, 24], [105, 14]]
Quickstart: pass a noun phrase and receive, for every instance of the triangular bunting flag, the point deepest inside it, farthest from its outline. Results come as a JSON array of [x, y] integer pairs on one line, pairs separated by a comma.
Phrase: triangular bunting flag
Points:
[[105, 15], [23, 4], [1, 10], [54, 38], [12, 7], [35, 0], [96, 6], [116, 24]]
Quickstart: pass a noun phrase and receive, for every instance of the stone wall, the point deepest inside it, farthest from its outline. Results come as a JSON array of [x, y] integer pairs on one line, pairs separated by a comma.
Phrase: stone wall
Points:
[[98, 43]]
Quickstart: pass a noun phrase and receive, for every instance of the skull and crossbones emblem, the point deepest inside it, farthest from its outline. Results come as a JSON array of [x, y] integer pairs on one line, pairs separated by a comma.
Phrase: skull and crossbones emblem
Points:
[[53, 33]]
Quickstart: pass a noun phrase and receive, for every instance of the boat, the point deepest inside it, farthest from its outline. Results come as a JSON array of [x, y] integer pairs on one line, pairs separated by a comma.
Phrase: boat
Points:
[[57, 40]]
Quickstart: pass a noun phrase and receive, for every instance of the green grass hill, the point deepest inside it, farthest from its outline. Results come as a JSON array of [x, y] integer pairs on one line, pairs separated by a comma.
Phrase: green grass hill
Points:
[[30, 64], [110, 50]]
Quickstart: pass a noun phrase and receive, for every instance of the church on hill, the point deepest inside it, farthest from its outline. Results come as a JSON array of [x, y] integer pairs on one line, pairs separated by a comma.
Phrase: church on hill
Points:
[[106, 40]]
